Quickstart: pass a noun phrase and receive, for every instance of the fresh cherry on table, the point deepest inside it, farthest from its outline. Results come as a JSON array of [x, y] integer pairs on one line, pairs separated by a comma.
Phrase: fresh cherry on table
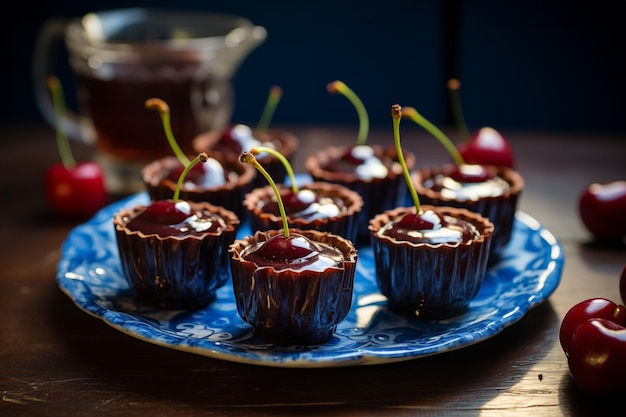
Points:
[[487, 146], [602, 207], [593, 308], [75, 191], [593, 337]]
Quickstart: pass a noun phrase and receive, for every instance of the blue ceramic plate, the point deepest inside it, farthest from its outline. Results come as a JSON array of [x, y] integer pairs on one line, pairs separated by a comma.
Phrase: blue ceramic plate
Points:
[[529, 271]]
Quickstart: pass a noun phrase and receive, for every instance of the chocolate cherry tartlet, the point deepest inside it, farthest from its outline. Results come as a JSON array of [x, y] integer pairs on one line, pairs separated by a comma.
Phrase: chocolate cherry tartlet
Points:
[[175, 265], [430, 261], [492, 191], [431, 273], [294, 290], [320, 206], [372, 171], [219, 181], [174, 253], [494, 196]]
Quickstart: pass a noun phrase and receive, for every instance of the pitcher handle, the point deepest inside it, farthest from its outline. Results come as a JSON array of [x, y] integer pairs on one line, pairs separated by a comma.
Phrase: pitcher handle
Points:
[[44, 63]]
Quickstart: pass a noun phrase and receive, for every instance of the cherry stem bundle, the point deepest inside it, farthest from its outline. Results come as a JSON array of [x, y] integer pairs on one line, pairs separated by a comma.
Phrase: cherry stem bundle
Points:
[[202, 157], [270, 107], [413, 114], [248, 158], [396, 114], [364, 123], [63, 143], [164, 111], [292, 177], [454, 87]]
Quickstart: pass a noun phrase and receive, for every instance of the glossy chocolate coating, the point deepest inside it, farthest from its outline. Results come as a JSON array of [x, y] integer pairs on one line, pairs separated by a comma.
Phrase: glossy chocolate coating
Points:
[[446, 230], [295, 252], [196, 223], [463, 191], [306, 204]]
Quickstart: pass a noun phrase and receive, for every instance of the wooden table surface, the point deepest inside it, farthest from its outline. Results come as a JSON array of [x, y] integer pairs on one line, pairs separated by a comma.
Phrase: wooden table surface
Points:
[[56, 360]]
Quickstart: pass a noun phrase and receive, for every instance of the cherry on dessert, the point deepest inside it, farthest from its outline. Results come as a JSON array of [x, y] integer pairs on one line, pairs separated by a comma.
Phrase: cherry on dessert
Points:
[[73, 189], [282, 250], [427, 220], [486, 146], [470, 173], [166, 212], [602, 207]]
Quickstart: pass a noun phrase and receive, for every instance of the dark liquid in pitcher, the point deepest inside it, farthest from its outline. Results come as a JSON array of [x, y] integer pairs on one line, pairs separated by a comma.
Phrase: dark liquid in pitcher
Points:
[[127, 130]]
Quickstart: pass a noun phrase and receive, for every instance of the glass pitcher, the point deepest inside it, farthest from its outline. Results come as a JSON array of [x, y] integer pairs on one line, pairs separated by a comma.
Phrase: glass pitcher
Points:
[[123, 57]]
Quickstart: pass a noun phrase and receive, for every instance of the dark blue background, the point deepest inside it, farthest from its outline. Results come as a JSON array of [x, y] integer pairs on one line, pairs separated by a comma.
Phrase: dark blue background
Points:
[[535, 64]]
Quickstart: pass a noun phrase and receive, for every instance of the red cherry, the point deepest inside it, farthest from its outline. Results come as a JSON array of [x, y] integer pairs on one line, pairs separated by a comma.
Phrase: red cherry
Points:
[[487, 147], [76, 192], [598, 308], [602, 208], [284, 248], [297, 202], [467, 173], [428, 220], [166, 212]]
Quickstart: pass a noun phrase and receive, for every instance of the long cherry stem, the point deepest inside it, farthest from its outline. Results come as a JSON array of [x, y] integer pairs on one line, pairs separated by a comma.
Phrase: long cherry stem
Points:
[[396, 114], [412, 114], [260, 149], [454, 87], [364, 122], [248, 158], [63, 143], [164, 111], [270, 107], [202, 157]]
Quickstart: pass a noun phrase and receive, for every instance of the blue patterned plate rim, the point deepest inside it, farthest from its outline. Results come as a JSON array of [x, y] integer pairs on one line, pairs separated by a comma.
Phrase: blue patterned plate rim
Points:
[[527, 273]]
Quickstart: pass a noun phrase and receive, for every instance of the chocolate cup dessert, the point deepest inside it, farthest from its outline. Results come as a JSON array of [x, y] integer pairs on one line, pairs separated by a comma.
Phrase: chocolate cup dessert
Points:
[[500, 210], [284, 142], [175, 272], [379, 194], [288, 306], [345, 224], [425, 280], [229, 195]]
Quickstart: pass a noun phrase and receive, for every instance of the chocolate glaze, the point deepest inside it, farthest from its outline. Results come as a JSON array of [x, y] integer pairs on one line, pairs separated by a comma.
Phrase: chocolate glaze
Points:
[[306, 204], [197, 223], [462, 191], [295, 252], [448, 230]]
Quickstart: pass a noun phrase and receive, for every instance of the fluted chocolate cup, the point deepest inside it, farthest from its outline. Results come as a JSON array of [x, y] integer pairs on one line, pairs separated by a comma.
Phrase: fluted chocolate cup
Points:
[[379, 194], [432, 281], [229, 195], [345, 224], [173, 272], [293, 307], [499, 209], [282, 141]]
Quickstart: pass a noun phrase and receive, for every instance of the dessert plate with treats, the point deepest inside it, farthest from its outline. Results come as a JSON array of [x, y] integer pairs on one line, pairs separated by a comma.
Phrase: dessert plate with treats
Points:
[[527, 272]]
